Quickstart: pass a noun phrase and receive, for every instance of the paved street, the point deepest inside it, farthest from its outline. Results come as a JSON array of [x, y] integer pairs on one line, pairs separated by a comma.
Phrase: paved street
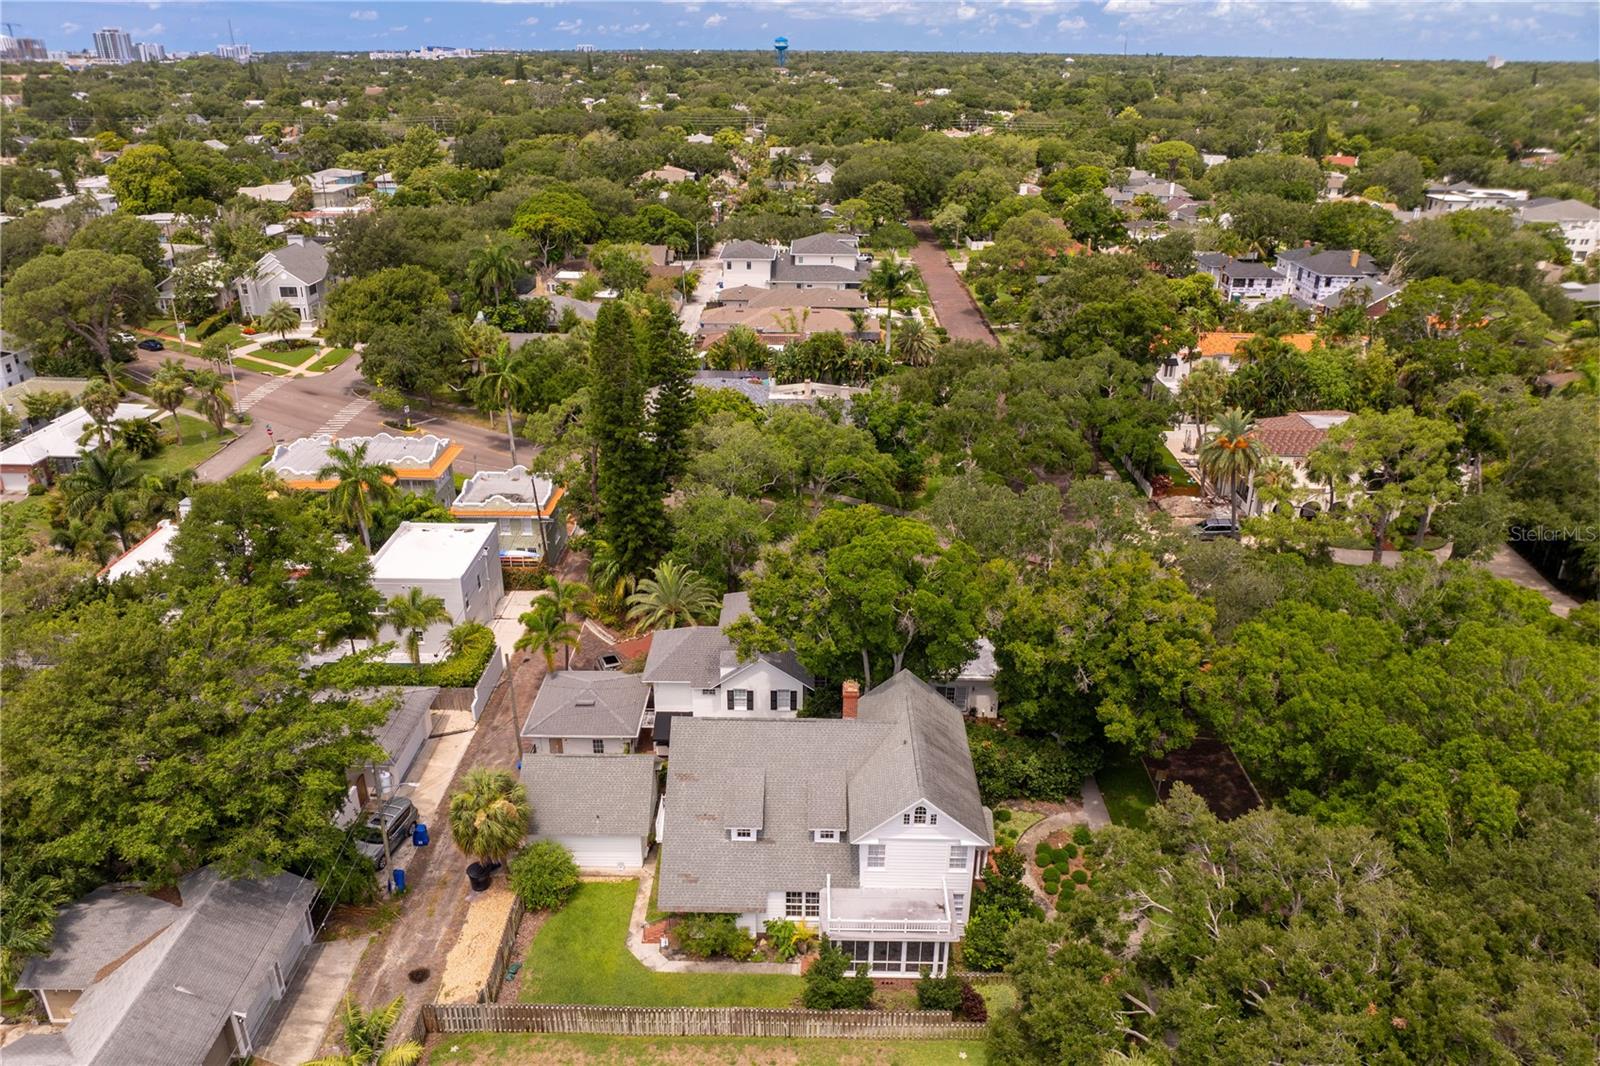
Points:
[[951, 300], [327, 403]]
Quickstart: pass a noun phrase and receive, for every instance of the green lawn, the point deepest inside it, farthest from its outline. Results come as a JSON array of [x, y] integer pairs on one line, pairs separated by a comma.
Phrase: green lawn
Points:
[[1174, 469], [1127, 790], [260, 367], [332, 359], [1007, 831], [230, 333], [998, 996], [200, 442], [492, 1049], [581, 956], [292, 358]]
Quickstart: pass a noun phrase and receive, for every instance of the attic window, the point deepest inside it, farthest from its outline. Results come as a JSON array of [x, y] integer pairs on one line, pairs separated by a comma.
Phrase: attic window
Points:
[[825, 836], [742, 834], [919, 816]]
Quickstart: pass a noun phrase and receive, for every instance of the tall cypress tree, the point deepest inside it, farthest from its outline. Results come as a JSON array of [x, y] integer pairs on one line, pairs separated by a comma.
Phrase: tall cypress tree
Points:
[[669, 366], [633, 518]]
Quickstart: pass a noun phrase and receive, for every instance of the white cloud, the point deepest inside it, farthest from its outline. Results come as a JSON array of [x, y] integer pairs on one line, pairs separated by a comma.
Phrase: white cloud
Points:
[[364, 16], [398, 29], [637, 27], [70, 27], [965, 12], [530, 21], [569, 25], [715, 20], [1070, 25], [149, 31]]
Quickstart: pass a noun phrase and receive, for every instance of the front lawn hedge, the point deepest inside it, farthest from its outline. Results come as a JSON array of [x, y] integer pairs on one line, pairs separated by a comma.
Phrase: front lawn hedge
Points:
[[1016, 767], [461, 670]]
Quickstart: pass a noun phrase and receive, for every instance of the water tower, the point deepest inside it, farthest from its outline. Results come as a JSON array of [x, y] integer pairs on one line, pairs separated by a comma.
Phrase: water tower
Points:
[[781, 46]]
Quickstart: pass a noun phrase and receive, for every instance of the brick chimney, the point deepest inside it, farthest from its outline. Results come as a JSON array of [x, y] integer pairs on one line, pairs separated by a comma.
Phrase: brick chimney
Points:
[[1355, 257], [851, 692]]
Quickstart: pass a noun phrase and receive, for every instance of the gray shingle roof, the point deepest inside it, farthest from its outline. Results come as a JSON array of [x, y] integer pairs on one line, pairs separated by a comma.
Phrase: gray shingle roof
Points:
[[308, 262], [748, 250], [1243, 268], [824, 244], [785, 270], [1337, 264], [691, 655], [590, 795], [734, 606], [167, 1001], [908, 744], [588, 703], [94, 932]]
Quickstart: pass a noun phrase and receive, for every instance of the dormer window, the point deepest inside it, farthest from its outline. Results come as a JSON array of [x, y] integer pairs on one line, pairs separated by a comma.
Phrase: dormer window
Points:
[[743, 834], [825, 836], [919, 815]]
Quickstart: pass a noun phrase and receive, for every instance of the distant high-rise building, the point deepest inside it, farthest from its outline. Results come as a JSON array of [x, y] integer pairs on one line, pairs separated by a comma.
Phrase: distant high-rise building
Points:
[[114, 46], [151, 53], [239, 53], [22, 49], [1495, 63]]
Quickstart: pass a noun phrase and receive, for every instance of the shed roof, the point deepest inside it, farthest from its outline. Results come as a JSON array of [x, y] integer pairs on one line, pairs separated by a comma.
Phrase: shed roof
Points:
[[590, 795]]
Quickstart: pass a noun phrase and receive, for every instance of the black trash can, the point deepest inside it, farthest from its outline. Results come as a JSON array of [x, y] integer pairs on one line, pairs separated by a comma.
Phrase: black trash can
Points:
[[478, 876]]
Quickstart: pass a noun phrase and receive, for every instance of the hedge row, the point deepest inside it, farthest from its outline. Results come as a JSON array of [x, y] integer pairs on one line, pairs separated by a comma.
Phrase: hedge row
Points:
[[458, 671], [1013, 767]]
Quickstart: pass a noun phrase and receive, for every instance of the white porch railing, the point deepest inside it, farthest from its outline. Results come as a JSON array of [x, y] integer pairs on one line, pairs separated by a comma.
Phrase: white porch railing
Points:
[[863, 926]]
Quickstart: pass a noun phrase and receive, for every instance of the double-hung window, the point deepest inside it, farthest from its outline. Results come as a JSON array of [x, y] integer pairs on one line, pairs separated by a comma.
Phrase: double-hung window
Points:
[[875, 856], [741, 699], [783, 699], [958, 857], [802, 904]]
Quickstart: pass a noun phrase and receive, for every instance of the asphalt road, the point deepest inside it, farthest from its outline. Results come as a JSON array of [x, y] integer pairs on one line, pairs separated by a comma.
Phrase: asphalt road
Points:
[[284, 409]]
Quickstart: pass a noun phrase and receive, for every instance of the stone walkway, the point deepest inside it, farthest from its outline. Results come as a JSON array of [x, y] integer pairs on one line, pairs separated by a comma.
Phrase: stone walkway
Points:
[[653, 959], [1092, 813]]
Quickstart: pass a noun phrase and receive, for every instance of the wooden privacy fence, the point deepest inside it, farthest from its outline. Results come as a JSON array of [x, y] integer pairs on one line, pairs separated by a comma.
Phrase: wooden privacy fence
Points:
[[695, 1021], [503, 954]]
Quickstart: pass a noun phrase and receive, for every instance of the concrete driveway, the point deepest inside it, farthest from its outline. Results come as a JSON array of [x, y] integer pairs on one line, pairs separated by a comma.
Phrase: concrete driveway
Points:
[[312, 1001], [948, 293]]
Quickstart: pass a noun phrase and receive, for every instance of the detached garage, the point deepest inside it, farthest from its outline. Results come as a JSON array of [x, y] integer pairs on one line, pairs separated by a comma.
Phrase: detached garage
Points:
[[600, 807]]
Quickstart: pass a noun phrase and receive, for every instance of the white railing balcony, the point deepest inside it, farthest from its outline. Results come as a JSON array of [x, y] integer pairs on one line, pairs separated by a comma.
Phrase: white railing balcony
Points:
[[871, 912]]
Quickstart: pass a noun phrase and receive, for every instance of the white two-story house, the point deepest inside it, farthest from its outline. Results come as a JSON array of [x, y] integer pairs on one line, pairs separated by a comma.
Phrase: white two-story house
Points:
[[1578, 222], [1315, 278], [820, 261], [869, 827], [1245, 282], [695, 672], [297, 274]]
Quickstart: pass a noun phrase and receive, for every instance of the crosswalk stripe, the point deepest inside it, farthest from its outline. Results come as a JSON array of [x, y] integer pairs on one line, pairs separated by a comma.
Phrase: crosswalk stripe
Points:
[[343, 417], [261, 392]]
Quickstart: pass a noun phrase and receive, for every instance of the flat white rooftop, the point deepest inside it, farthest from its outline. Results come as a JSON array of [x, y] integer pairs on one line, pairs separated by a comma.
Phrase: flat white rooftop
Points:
[[420, 551]]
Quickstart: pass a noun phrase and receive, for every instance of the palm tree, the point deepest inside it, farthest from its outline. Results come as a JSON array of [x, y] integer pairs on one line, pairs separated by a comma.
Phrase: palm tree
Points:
[[1330, 464], [360, 484], [411, 615], [916, 343], [99, 401], [611, 583], [489, 814], [80, 537], [784, 167], [672, 595], [27, 921], [1230, 453], [492, 268], [99, 476], [501, 386], [888, 282], [280, 319], [160, 494], [570, 597], [366, 1033], [477, 341], [1200, 396], [544, 630], [211, 394], [168, 389], [141, 436]]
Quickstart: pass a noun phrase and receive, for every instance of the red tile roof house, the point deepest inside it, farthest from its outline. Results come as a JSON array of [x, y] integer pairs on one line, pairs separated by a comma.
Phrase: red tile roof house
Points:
[[1293, 436]]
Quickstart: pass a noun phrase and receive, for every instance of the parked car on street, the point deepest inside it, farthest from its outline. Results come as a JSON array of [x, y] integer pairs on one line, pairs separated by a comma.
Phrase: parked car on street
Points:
[[150, 344], [398, 815], [1217, 526]]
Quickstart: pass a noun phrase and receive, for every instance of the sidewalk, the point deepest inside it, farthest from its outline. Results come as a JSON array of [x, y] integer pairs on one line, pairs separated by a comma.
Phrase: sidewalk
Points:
[[1507, 564], [653, 959]]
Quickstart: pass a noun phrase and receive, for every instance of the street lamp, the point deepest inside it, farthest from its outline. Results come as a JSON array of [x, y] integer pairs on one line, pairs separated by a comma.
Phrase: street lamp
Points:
[[234, 374]]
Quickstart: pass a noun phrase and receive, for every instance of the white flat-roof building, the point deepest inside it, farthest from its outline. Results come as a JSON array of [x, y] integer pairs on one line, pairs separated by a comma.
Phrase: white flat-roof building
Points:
[[457, 561], [525, 507], [423, 466], [54, 450], [153, 550]]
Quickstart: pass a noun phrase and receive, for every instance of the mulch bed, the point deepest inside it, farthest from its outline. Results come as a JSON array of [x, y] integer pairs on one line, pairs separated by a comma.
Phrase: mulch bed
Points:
[[1210, 768]]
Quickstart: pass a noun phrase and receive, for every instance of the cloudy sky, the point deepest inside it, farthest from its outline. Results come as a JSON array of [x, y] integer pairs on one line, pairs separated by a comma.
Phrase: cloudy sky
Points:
[[1395, 29]]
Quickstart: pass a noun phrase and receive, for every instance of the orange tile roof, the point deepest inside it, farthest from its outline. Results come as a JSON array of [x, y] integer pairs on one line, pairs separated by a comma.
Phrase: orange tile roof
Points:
[[1219, 343]]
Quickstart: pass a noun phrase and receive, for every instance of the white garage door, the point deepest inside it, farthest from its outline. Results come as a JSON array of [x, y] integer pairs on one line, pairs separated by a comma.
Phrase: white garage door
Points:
[[605, 853]]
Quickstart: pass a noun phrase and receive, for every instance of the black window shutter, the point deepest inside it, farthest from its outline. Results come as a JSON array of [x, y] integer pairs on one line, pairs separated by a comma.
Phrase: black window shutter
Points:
[[730, 699], [774, 695]]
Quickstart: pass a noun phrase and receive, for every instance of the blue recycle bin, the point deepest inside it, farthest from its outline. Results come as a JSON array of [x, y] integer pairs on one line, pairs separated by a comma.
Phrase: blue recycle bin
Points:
[[419, 835], [399, 877]]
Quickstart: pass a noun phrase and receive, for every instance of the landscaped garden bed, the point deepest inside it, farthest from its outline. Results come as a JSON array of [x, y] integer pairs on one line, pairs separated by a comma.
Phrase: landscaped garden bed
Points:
[[1010, 824], [1062, 864]]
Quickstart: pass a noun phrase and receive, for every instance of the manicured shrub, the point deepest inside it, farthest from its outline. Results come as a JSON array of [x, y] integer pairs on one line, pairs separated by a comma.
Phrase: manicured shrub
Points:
[[1002, 815], [461, 670], [938, 993], [829, 985], [1080, 877], [1044, 855], [1082, 835], [789, 939], [544, 876], [710, 936], [1067, 851]]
